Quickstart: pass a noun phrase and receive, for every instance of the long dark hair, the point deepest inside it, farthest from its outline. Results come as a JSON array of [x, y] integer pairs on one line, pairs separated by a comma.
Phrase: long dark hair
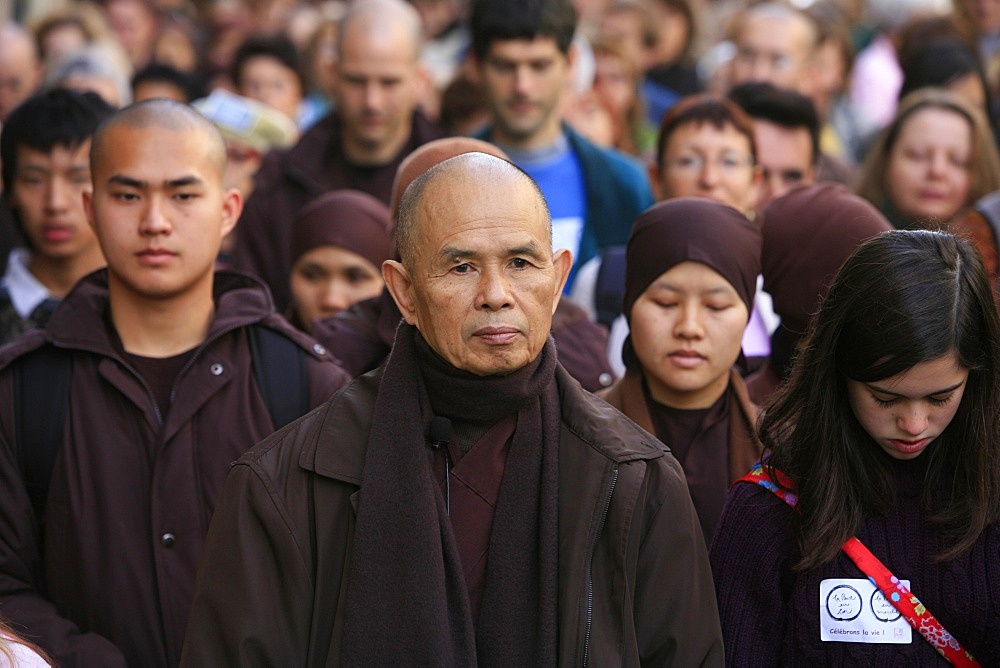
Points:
[[902, 298]]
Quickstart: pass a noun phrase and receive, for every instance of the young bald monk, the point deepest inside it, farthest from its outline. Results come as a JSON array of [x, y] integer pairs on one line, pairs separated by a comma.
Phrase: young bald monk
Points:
[[97, 558]]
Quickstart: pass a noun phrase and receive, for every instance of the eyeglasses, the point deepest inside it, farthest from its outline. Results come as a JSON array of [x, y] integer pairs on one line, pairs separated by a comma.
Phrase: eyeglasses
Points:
[[695, 163]]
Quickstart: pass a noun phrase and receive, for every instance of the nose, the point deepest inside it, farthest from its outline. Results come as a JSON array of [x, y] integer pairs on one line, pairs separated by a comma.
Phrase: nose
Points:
[[762, 70], [688, 324], [154, 220], [912, 420], [56, 195], [373, 96], [335, 298], [709, 174], [494, 290], [938, 164], [770, 186], [522, 80]]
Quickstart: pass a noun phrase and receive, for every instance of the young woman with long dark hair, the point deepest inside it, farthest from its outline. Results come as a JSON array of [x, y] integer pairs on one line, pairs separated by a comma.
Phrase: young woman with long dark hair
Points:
[[886, 432]]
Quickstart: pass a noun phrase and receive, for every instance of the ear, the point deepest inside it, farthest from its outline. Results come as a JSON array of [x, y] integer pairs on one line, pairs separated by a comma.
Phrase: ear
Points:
[[562, 262], [232, 206], [400, 285], [425, 84], [88, 208]]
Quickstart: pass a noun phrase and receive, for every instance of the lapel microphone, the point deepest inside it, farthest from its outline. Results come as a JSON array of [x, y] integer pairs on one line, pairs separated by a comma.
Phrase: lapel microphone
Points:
[[439, 435]]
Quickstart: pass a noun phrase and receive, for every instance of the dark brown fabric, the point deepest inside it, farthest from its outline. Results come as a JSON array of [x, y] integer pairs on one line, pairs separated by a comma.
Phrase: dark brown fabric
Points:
[[105, 587], [362, 336], [808, 234], [724, 450], [473, 491], [349, 219], [695, 229], [159, 373], [288, 180], [406, 600], [700, 441], [627, 533]]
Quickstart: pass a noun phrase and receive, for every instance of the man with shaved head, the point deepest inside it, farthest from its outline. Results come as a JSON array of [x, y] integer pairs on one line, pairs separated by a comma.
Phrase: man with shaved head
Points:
[[156, 389], [466, 503], [375, 124], [363, 334]]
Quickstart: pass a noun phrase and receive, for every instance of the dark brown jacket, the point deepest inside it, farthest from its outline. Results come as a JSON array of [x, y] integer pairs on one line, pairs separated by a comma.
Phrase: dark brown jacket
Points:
[[634, 586], [131, 492], [362, 336], [288, 180], [744, 447]]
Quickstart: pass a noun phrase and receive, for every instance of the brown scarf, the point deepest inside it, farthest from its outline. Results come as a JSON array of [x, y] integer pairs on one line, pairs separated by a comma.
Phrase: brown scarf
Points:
[[406, 600]]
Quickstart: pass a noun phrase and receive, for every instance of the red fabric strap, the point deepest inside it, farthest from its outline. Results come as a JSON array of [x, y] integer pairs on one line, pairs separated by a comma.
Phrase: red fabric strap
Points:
[[918, 616]]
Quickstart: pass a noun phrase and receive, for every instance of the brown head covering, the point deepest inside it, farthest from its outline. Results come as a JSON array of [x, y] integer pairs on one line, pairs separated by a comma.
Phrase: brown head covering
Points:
[[696, 229], [808, 234], [690, 228], [350, 219]]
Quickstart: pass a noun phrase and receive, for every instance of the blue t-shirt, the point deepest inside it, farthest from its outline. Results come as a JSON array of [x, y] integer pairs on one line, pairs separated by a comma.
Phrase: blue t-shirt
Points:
[[557, 172]]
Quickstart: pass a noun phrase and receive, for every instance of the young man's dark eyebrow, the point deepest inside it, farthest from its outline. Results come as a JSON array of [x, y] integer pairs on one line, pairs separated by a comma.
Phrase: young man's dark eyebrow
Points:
[[128, 181]]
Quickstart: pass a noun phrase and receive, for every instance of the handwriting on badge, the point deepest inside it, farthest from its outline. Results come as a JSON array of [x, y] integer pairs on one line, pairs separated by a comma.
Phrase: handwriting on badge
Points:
[[843, 603]]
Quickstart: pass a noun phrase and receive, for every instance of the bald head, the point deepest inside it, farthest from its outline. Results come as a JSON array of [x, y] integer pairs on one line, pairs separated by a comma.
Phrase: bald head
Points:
[[20, 71], [452, 179], [775, 43], [433, 153], [163, 114], [478, 278], [395, 19]]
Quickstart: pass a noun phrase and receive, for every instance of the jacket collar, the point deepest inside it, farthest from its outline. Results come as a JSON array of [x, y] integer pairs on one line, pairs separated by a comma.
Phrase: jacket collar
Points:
[[584, 416], [82, 321]]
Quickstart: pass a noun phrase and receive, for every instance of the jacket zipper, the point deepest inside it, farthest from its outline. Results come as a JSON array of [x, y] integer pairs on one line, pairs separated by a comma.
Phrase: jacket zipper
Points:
[[590, 569]]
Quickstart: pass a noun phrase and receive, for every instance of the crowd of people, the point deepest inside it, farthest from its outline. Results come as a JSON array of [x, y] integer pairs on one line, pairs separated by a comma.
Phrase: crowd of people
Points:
[[499, 332]]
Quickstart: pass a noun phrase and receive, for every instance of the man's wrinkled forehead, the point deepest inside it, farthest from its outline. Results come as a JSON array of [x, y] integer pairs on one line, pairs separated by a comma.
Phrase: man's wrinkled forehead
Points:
[[463, 188]]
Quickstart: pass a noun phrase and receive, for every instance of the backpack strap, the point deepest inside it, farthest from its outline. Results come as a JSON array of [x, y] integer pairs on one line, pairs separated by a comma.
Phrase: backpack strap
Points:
[[892, 588], [279, 365], [41, 402], [609, 291]]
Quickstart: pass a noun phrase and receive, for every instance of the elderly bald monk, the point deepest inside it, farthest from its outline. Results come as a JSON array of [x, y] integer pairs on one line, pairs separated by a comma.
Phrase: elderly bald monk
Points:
[[362, 335], [468, 503]]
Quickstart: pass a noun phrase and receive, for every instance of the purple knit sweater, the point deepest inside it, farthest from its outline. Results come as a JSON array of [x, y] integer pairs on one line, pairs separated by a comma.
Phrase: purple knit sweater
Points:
[[770, 613]]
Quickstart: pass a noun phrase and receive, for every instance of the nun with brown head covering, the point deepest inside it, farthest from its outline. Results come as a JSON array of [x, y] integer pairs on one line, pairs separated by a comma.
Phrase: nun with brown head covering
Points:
[[339, 242], [808, 234], [691, 274]]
